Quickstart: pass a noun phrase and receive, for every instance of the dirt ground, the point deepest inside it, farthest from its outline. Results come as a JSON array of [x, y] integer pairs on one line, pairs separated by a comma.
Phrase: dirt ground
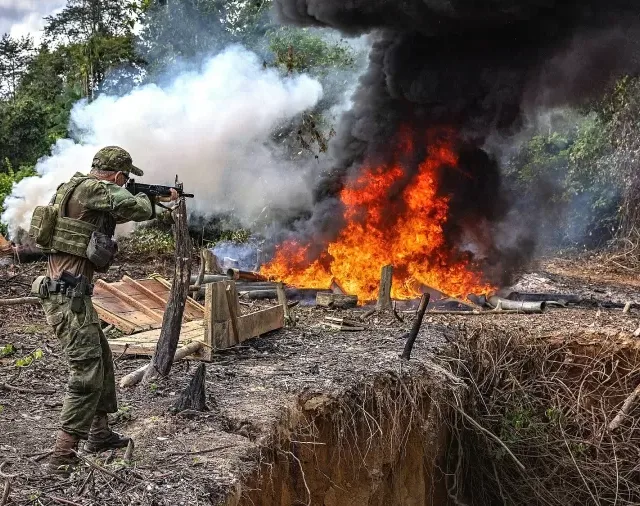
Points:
[[199, 458]]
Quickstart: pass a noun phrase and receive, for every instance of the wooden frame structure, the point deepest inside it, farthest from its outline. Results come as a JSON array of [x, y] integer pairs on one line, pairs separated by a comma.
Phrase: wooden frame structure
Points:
[[136, 308]]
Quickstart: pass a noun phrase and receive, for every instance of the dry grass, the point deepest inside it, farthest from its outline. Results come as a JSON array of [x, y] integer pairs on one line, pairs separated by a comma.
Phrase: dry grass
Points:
[[547, 403]]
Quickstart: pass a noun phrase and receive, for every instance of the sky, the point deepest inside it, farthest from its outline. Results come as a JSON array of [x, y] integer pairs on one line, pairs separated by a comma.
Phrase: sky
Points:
[[22, 17]]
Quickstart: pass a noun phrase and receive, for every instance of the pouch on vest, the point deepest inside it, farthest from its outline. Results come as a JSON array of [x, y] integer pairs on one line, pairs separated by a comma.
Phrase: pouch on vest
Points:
[[43, 224], [101, 250]]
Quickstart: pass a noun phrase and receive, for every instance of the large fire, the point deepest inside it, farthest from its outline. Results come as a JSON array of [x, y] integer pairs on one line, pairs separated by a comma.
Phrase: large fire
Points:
[[405, 232]]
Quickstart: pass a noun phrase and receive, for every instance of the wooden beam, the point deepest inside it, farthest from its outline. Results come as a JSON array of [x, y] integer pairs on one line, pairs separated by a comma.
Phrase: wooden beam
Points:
[[282, 300], [143, 289]]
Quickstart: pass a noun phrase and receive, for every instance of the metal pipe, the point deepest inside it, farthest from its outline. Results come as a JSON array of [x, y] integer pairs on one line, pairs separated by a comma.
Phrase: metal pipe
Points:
[[524, 307], [245, 275], [544, 297]]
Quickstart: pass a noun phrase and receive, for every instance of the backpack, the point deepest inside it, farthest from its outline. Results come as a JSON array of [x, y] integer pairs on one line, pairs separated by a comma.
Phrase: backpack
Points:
[[53, 232]]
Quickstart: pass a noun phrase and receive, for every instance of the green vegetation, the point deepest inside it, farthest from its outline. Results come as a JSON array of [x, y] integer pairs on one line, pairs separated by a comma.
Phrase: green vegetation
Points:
[[29, 359], [147, 241], [90, 48], [585, 161], [7, 350]]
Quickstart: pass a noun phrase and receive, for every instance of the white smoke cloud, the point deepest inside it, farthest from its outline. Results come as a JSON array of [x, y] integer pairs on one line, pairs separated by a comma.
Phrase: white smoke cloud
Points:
[[210, 127]]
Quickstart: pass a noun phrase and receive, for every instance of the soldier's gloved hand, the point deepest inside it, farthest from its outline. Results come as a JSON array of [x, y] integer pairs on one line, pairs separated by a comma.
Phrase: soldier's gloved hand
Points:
[[174, 196]]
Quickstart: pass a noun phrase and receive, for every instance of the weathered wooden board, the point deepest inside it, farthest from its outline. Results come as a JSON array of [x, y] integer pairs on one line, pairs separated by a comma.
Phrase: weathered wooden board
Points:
[[144, 343], [218, 329], [138, 305]]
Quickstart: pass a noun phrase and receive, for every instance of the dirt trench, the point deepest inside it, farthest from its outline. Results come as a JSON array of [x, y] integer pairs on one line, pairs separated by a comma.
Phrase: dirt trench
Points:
[[381, 445]]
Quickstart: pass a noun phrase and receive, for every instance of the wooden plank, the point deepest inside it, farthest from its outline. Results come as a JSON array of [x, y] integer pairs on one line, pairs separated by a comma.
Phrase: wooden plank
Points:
[[232, 304], [144, 343], [115, 320], [209, 324], [190, 302], [143, 289], [129, 300], [260, 322]]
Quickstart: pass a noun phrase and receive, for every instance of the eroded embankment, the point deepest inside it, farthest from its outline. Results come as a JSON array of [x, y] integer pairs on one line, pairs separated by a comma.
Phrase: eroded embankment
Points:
[[514, 410], [381, 443], [550, 415]]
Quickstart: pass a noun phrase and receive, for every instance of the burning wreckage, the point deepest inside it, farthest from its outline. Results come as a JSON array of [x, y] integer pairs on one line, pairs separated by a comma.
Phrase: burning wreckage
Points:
[[415, 209]]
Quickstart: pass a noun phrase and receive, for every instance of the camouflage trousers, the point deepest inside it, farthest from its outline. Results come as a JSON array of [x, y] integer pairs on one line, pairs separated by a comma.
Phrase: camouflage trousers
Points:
[[91, 388]]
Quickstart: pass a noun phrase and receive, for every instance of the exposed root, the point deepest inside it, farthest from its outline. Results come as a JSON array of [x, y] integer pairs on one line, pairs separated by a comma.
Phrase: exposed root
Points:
[[549, 405]]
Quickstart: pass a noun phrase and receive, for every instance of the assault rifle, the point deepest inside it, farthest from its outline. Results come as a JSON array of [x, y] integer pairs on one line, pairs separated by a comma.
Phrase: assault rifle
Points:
[[155, 190]]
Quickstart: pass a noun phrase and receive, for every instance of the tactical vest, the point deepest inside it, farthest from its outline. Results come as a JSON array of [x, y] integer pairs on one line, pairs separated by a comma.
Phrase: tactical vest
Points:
[[54, 232]]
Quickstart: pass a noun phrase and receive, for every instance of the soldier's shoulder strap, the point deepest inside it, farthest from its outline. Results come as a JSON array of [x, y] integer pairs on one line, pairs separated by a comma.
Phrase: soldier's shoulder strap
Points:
[[63, 195]]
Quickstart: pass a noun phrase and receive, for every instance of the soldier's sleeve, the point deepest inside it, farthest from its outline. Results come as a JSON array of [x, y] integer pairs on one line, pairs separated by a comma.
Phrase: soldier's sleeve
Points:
[[121, 204]]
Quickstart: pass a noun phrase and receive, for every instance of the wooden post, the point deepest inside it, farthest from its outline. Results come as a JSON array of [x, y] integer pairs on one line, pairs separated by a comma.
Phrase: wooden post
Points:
[[217, 315], [172, 321], [282, 300], [411, 337], [384, 295], [232, 304]]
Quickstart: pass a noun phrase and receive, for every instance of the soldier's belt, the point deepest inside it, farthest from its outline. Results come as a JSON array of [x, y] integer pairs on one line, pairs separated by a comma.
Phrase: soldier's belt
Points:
[[56, 286]]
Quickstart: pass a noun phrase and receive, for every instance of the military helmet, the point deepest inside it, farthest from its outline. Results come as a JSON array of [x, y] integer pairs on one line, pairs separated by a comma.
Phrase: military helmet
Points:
[[114, 158]]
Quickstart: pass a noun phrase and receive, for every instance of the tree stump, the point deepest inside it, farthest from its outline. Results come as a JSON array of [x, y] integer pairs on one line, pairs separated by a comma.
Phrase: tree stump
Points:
[[384, 295], [172, 321], [193, 397]]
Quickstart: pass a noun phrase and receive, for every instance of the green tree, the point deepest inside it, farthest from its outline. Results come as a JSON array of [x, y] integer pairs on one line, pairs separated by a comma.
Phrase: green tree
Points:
[[97, 35], [15, 55]]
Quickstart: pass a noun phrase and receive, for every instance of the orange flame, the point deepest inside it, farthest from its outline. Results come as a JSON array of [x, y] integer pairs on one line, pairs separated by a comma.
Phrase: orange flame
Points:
[[405, 232]]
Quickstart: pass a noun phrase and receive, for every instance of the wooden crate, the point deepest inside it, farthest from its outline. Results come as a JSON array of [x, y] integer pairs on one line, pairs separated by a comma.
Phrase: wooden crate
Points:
[[136, 307]]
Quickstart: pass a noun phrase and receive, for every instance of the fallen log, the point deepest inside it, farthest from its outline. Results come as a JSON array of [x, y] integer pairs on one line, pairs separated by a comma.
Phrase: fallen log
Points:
[[194, 396], [345, 328], [237, 274], [134, 377], [522, 307], [417, 323], [291, 293], [21, 300], [328, 299]]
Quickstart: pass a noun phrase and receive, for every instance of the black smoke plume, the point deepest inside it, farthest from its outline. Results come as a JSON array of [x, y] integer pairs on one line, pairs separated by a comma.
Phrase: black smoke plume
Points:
[[477, 67]]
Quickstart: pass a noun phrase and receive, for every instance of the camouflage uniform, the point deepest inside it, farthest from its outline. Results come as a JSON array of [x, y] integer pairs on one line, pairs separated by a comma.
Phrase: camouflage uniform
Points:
[[91, 391]]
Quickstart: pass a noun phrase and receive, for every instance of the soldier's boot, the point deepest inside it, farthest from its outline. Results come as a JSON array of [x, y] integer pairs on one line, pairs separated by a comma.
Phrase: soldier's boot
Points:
[[102, 438], [63, 460]]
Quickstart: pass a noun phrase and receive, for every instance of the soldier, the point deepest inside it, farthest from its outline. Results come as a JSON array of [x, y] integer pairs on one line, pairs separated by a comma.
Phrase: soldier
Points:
[[79, 241]]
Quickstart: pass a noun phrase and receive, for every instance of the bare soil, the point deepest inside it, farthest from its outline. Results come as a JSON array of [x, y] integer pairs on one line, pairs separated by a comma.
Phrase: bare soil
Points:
[[223, 456]]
